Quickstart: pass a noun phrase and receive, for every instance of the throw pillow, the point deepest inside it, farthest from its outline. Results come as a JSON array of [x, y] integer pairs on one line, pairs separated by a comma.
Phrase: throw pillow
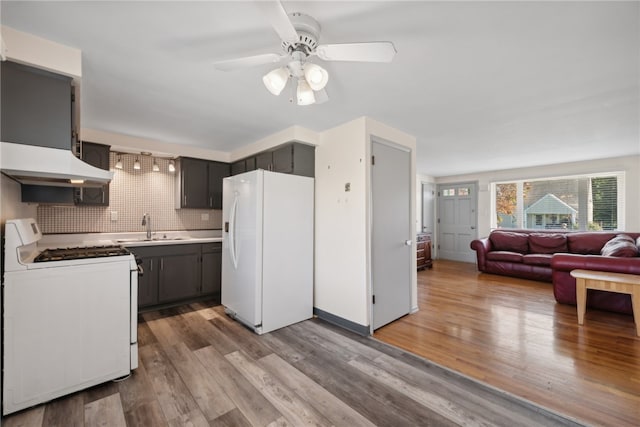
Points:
[[620, 246], [547, 243], [509, 241]]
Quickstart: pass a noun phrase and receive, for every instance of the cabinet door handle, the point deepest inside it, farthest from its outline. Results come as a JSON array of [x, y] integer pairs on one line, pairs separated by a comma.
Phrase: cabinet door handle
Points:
[[161, 264], [103, 191], [210, 201], [185, 200]]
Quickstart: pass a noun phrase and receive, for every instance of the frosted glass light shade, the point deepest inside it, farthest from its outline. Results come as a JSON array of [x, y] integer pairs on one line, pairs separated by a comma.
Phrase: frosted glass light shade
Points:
[[172, 166], [136, 164], [119, 163], [276, 80], [316, 76], [305, 93]]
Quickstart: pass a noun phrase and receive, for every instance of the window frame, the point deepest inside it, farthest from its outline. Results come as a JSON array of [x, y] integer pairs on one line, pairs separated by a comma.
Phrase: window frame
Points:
[[620, 201]]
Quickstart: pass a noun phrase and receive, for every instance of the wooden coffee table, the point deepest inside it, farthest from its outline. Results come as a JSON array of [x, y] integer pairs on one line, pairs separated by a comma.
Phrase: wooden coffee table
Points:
[[611, 282]]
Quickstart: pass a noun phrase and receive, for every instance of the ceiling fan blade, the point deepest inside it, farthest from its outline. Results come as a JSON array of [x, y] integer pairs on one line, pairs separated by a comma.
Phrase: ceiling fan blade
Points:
[[361, 52], [248, 61], [277, 16], [321, 96]]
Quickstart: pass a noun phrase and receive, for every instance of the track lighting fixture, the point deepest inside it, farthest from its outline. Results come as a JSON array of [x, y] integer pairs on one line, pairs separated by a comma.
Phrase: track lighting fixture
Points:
[[119, 162], [172, 165], [136, 164], [156, 168]]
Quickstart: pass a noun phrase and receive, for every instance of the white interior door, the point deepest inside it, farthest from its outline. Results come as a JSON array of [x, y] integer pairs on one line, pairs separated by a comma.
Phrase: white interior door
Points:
[[392, 233], [428, 206], [457, 221]]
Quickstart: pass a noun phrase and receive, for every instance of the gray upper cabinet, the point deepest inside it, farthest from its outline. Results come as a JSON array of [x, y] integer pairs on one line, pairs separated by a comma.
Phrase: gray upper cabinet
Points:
[[264, 160], [238, 167], [217, 172], [200, 183], [294, 158], [36, 107], [96, 155], [194, 179]]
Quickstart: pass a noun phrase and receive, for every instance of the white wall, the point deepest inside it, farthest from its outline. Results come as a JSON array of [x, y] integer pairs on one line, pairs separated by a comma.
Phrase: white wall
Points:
[[343, 240], [629, 164], [341, 223]]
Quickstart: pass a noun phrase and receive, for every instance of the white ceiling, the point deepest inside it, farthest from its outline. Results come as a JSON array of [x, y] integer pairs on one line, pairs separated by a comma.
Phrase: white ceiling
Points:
[[482, 85]]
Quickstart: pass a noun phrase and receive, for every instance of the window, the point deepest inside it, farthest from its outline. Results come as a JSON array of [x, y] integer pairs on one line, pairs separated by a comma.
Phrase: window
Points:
[[585, 202]]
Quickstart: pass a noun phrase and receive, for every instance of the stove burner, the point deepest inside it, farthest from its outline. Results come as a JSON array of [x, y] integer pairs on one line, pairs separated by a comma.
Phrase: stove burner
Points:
[[63, 254]]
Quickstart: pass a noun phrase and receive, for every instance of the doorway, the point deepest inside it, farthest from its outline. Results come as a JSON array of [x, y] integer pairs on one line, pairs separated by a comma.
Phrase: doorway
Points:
[[392, 232], [457, 221]]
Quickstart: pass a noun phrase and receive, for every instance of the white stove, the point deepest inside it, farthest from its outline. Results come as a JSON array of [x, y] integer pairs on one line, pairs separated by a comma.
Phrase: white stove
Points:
[[70, 317]]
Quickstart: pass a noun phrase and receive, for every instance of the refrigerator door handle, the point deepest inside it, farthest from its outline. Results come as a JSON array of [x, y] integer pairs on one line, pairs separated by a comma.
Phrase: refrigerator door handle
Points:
[[232, 232]]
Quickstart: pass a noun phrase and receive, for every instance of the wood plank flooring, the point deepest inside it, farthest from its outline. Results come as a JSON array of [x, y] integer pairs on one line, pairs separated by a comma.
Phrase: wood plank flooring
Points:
[[199, 368], [511, 334]]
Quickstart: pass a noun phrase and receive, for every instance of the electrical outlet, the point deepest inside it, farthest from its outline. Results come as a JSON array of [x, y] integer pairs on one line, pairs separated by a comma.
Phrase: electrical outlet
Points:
[[114, 215], [204, 217]]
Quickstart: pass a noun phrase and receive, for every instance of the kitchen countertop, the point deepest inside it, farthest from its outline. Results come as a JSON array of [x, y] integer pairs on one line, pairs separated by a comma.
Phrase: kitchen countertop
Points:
[[132, 239]]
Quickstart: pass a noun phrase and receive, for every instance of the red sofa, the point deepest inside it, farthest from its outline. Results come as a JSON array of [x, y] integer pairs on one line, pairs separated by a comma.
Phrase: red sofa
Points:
[[550, 255]]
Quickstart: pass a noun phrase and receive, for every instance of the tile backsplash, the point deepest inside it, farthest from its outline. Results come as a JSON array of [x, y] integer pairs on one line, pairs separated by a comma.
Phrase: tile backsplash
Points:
[[132, 194]]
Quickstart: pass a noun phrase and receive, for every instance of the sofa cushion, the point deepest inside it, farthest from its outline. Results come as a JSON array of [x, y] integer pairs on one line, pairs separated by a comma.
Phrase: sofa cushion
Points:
[[547, 243], [621, 246], [537, 259], [504, 256], [588, 243], [509, 241]]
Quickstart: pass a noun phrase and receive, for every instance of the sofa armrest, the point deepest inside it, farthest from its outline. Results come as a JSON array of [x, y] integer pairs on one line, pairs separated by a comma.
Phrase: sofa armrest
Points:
[[568, 262], [482, 247]]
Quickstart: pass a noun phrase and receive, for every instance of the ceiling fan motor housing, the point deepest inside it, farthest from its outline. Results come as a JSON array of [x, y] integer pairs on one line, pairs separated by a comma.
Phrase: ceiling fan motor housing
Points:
[[308, 31]]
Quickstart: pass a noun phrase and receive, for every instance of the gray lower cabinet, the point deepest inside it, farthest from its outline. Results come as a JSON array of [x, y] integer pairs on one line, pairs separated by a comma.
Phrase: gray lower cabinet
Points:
[[178, 273], [212, 270]]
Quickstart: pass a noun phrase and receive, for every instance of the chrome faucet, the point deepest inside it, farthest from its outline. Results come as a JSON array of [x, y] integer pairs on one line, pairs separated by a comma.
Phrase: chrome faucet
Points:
[[146, 220]]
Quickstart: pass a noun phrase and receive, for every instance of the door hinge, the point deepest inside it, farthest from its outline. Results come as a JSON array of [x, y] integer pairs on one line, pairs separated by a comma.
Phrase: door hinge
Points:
[[438, 220], [373, 298], [373, 160]]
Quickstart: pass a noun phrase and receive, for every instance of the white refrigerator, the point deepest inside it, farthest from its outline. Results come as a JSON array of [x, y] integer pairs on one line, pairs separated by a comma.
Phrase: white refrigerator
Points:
[[267, 249]]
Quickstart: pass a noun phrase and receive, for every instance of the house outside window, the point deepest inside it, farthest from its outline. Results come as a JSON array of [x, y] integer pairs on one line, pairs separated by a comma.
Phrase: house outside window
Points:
[[584, 202]]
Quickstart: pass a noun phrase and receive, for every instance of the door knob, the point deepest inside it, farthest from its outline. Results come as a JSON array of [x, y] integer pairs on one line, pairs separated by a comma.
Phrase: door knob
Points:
[[407, 242], [473, 227]]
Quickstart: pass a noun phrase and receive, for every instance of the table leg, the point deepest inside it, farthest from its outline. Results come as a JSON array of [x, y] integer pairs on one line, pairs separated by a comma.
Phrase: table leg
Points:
[[635, 302], [581, 298]]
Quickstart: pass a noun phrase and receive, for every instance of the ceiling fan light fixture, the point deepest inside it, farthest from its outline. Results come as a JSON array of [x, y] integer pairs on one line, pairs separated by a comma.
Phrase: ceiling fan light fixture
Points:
[[305, 93], [316, 76], [276, 80]]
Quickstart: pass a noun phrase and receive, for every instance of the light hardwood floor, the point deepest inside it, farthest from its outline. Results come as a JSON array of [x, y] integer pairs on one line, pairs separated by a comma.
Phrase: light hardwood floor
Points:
[[511, 334]]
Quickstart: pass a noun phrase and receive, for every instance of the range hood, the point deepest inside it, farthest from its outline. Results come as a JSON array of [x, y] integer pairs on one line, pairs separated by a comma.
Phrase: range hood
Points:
[[31, 164]]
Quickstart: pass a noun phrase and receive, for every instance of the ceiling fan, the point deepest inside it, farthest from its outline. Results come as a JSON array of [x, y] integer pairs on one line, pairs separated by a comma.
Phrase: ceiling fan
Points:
[[300, 34]]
